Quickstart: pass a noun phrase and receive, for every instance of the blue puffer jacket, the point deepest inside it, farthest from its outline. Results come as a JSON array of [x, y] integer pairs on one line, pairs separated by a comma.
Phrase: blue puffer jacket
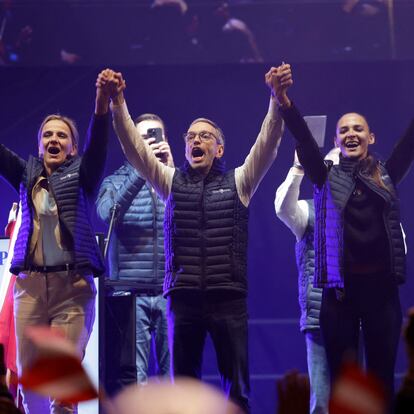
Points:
[[136, 252], [310, 297]]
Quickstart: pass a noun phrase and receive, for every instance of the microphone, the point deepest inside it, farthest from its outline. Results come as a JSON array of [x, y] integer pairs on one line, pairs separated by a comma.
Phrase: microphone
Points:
[[115, 209]]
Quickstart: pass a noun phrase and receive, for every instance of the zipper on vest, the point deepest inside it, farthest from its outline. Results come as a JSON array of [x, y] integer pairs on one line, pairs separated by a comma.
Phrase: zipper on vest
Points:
[[387, 230], [342, 256], [31, 208], [155, 232], [203, 239], [389, 240]]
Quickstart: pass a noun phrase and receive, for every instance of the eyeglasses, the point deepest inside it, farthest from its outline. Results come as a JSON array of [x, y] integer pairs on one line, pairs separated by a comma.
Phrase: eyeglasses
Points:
[[204, 136]]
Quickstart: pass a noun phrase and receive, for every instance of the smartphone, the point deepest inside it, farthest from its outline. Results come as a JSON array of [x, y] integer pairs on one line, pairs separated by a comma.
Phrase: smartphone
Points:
[[155, 133]]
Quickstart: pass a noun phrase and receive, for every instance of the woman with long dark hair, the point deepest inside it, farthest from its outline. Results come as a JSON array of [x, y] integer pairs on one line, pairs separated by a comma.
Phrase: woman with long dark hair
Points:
[[359, 245]]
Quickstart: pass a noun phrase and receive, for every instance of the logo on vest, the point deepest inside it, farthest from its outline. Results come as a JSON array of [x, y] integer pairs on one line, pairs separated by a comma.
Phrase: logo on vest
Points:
[[221, 190], [65, 177]]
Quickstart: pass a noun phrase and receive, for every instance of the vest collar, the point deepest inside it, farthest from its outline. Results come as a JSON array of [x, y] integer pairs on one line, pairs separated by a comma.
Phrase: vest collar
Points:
[[349, 165], [218, 168], [39, 167]]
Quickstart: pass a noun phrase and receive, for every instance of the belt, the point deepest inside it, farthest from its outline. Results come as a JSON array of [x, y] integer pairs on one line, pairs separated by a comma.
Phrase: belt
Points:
[[52, 269]]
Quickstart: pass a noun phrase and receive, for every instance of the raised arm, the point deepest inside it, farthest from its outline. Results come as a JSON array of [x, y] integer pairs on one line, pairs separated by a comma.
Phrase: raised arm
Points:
[[249, 175], [96, 146], [402, 156], [293, 212], [137, 151], [306, 146], [11, 167]]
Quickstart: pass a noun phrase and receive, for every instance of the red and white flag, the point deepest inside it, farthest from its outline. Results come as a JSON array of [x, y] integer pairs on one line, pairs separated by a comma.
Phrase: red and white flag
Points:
[[57, 371], [357, 392], [7, 330]]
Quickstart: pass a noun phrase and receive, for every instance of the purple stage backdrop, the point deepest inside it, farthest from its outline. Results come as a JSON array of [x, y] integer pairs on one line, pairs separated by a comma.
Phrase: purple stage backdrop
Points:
[[236, 98]]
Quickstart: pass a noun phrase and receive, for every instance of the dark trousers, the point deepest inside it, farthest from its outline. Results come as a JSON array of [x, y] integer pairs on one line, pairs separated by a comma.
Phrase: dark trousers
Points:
[[120, 366], [190, 318], [372, 303]]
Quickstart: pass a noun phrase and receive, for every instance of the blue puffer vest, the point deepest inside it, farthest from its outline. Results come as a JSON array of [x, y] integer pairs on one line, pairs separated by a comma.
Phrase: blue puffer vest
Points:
[[136, 252], [206, 227], [310, 298], [330, 203]]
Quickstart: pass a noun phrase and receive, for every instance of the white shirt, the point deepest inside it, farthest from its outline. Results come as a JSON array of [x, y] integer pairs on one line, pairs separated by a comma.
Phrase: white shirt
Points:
[[292, 211]]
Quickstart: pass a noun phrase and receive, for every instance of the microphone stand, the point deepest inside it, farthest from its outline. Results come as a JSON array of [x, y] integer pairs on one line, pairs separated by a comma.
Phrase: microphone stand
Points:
[[114, 214], [102, 304]]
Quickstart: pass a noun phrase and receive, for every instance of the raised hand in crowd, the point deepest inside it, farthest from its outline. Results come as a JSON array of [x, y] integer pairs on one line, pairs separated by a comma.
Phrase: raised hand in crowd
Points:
[[293, 393]]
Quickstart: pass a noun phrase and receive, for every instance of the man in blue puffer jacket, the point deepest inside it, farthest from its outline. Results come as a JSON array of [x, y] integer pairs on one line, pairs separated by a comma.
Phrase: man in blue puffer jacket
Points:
[[136, 261]]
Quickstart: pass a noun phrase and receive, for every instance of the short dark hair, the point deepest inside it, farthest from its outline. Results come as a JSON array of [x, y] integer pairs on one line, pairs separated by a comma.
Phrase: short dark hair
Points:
[[220, 134], [356, 113], [150, 117]]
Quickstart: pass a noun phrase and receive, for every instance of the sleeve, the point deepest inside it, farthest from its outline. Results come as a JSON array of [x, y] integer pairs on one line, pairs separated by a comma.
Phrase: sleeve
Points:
[[95, 153], [122, 197], [293, 212], [306, 146], [402, 156], [261, 156], [11, 167], [139, 154]]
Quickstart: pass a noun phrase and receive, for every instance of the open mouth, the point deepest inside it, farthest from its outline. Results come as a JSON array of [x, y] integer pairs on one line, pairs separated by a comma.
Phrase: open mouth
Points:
[[53, 150], [197, 153], [352, 144]]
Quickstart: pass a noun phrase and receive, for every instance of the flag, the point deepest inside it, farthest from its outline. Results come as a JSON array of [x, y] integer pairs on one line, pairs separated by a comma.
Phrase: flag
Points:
[[357, 392], [57, 372], [7, 331]]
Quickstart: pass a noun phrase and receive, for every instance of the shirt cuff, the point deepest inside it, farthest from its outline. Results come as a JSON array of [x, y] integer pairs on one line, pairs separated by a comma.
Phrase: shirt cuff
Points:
[[295, 176]]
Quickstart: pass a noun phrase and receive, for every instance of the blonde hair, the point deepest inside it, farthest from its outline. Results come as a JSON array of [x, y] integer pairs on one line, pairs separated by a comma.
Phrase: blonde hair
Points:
[[68, 121]]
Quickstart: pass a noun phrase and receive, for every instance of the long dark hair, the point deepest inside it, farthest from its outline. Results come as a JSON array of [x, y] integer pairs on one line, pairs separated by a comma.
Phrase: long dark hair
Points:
[[370, 167]]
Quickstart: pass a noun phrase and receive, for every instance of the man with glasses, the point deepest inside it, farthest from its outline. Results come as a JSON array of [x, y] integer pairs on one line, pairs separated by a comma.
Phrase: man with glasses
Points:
[[206, 233]]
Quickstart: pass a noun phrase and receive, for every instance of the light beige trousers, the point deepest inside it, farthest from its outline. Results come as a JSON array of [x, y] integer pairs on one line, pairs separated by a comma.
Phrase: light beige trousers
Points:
[[62, 300]]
